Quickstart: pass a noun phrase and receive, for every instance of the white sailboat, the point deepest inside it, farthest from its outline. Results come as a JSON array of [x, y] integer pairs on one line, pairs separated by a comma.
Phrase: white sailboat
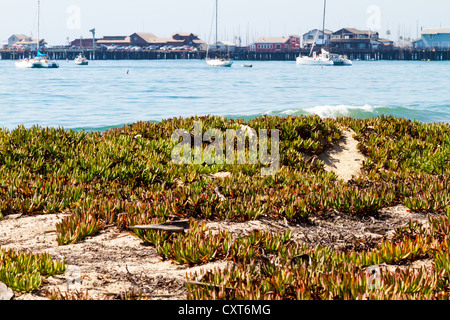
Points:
[[217, 61], [321, 59], [41, 60], [324, 58]]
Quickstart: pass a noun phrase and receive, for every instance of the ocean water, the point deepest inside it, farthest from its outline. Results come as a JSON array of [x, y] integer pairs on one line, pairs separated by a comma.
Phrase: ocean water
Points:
[[109, 94]]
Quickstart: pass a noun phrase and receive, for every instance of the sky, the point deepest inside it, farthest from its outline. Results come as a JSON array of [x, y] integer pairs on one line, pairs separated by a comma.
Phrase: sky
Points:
[[248, 19]]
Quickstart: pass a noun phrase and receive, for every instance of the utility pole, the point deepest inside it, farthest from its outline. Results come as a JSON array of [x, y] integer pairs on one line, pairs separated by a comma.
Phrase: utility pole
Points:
[[93, 43]]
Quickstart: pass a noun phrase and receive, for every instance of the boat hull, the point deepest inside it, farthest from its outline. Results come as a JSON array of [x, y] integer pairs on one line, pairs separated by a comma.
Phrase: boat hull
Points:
[[46, 65], [314, 61], [219, 62], [81, 60], [343, 63], [37, 64]]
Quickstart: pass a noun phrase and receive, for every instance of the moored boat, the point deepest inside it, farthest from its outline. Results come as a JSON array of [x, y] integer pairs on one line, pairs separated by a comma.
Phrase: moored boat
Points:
[[339, 60], [322, 59], [81, 60], [41, 60], [217, 61]]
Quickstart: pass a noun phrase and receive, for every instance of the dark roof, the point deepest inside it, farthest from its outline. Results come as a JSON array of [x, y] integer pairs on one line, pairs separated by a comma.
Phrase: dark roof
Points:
[[184, 34], [145, 36], [315, 30], [356, 31]]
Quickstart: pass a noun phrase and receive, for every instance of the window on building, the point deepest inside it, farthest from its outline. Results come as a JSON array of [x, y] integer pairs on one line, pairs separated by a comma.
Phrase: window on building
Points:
[[362, 46]]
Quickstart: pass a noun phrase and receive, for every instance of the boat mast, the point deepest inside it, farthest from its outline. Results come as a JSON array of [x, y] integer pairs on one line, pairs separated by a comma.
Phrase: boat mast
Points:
[[323, 23], [39, 6], [217, 9]]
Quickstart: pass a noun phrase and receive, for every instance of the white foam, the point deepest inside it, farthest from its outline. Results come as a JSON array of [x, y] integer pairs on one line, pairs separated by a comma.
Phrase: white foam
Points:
[[330, 111], [289, 112]]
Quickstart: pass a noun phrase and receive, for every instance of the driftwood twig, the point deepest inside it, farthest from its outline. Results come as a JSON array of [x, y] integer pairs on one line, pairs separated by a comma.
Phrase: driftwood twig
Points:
[[174, 226]]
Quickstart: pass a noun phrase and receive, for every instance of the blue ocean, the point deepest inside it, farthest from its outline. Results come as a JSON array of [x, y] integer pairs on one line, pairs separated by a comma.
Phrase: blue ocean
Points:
[[107, 94]]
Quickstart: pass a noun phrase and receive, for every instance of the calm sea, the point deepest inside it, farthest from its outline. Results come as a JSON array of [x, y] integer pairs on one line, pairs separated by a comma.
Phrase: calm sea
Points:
[[108, 94]]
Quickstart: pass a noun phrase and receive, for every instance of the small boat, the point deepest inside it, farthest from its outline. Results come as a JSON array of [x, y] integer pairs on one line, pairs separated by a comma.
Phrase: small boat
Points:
[[339, 60], [246, 65], [81, 60], [217, 61]]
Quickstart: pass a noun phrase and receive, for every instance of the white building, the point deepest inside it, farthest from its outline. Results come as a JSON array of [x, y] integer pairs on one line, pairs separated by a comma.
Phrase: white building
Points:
[[316, 36], [225, 46], [22, 41], [16, 38]]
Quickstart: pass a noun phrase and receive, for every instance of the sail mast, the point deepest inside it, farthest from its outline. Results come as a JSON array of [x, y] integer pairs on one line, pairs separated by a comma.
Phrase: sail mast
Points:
[[217, 10], [39, 6], [323, 23], [39, 16]]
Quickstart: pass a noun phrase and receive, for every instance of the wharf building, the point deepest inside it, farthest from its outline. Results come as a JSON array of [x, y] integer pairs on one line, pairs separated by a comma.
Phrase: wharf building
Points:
[[436, 38]]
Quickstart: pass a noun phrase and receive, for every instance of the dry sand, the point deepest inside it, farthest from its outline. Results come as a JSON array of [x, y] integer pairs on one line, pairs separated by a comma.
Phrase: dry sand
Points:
[[344, 158], [113, 262]]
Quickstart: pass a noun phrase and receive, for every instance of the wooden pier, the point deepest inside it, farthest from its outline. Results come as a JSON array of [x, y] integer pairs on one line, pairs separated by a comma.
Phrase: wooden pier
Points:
[[387, 54]]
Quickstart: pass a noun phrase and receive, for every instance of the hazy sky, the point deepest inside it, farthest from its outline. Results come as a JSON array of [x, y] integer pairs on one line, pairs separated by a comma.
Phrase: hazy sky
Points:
[[62, 19]]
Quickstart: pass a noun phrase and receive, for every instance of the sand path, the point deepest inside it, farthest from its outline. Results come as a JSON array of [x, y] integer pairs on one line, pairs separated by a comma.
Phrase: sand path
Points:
[[344, 158]]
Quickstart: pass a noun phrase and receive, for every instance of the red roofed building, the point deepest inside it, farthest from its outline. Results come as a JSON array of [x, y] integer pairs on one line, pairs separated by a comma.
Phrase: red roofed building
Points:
[[276, 44]]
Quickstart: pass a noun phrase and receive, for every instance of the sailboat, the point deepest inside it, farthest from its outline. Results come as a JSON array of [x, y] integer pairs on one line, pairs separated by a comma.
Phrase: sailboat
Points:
[[41, 60], [324, 58], [321, 59], [217, 61]]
